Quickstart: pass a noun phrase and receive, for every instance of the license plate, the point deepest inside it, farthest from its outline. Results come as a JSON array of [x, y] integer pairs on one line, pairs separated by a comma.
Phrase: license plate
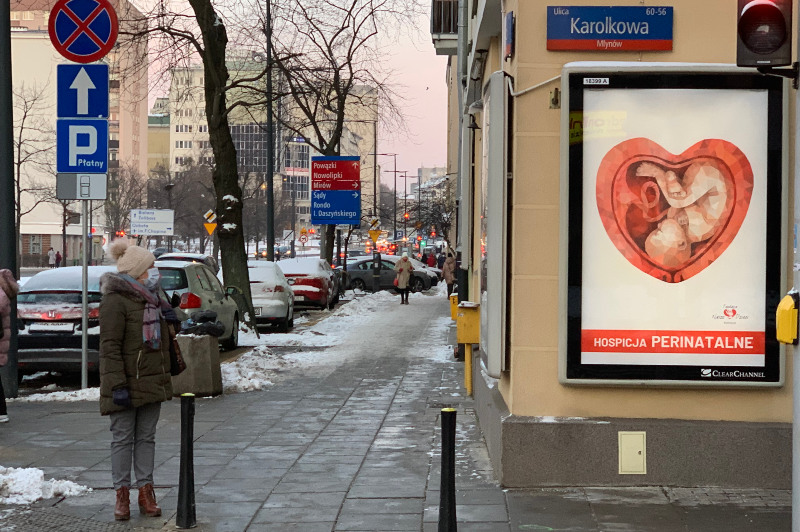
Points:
[[52, 327], [257, 311], [299, 298]]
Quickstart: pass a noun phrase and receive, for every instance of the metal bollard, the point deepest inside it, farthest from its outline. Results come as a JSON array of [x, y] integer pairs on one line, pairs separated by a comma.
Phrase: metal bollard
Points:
[[186, 517], [447, 489]]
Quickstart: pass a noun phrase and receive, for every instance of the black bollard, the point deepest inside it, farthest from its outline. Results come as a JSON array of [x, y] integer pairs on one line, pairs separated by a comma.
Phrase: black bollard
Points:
[[447, 490], [186, 517]]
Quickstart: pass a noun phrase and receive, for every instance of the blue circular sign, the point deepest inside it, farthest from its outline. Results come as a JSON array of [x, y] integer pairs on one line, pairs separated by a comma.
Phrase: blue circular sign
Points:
[[83, 30]]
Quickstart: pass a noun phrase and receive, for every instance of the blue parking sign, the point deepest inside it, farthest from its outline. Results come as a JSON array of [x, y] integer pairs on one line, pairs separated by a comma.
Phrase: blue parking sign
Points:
[[82, 91], [82, 146]]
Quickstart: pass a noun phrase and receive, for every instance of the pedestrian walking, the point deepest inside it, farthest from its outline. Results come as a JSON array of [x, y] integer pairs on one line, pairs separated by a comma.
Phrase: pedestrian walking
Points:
[[134, 371], [449, 272], [51, 258], [8, 291], [58, 259], [403, 267], [431, 260], [440, 260]]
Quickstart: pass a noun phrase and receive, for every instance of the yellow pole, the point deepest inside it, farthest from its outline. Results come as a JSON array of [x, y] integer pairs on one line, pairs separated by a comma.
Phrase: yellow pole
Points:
[[468, 368]]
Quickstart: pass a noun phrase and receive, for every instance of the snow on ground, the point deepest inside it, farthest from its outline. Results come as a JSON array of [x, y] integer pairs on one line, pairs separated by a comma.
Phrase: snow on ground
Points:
[[86, 394], [27, 485], [251, 371]]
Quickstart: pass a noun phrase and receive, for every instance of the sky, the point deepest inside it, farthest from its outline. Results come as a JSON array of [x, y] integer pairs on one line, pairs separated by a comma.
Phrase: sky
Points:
[[421, 76]]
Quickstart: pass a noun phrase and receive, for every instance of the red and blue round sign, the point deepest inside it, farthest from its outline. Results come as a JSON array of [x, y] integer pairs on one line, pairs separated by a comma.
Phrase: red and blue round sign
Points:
[[83, 31]]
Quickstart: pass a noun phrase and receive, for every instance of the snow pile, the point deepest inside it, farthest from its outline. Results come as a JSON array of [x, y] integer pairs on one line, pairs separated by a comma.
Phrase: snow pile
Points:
[[251, 371], [86, 394], [24, 486]]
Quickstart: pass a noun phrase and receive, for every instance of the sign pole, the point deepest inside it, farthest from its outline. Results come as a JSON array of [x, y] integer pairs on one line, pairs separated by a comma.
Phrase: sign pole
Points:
[[85, 298]]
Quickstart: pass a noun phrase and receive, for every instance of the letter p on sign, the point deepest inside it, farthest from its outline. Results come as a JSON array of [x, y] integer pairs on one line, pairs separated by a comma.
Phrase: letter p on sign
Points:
[[76, 149]]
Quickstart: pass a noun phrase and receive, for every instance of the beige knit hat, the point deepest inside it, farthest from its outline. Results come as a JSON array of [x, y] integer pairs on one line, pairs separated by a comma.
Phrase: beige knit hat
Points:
[[133, 260]]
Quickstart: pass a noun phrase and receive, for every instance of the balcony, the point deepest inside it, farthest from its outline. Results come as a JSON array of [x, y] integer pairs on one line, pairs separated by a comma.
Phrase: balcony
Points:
[[444, 26]]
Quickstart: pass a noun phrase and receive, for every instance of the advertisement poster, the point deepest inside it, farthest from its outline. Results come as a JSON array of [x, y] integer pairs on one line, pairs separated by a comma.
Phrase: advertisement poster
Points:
[[677, 182]]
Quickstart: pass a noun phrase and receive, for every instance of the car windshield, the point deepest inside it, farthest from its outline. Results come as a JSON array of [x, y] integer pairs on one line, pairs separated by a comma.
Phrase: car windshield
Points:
[[173, 278], [65, 279]]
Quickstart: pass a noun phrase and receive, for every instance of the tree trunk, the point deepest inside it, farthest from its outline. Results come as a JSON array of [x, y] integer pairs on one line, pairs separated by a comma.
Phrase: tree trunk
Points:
[[225, 174]]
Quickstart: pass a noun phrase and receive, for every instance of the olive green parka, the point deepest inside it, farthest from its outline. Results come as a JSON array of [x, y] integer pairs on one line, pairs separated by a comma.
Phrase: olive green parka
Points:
[[125, 360]]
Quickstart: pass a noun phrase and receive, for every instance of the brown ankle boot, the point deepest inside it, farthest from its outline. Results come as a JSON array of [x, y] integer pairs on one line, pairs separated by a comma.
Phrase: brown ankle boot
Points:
[[122, 510], [147, 501]]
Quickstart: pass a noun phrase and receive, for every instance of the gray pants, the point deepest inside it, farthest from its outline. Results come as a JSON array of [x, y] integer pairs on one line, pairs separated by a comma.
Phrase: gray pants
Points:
[[133, 439]]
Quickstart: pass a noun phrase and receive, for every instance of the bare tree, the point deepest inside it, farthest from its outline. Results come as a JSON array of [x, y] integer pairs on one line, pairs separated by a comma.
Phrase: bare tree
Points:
[[128, 193], [34, 150]]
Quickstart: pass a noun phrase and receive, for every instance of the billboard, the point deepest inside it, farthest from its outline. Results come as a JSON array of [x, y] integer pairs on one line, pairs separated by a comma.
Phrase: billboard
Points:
[[675, 226]]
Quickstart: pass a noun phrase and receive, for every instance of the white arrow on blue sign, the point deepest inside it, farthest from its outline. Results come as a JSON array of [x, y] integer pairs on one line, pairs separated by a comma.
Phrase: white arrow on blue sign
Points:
[[81, 146], [82, 91]]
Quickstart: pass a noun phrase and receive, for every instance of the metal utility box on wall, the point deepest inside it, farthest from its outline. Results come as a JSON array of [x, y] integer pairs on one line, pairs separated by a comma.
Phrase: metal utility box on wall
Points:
[[468, 323]]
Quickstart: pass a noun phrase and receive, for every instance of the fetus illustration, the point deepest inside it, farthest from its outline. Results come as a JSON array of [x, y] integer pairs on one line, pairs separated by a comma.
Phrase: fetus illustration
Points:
[[673, 215]]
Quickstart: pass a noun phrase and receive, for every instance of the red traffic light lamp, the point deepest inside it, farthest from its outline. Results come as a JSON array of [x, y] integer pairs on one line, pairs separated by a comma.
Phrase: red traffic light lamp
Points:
[[405, 216], [764, 33]]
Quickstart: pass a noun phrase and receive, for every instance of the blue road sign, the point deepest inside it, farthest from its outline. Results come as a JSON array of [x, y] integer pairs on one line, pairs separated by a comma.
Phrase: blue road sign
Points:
[[82, 146], [399, 234], [336, 207], [83, 30], [82, 91]]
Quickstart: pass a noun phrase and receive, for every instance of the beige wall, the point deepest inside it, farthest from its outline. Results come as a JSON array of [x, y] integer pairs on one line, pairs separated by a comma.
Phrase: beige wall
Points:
[[532, 388]]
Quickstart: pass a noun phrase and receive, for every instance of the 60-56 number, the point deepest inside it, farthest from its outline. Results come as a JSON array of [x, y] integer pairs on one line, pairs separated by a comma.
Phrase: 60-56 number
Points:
[[656, 11]]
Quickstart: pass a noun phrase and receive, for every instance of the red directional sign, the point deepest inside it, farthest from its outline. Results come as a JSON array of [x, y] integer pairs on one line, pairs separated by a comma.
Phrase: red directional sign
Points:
[[335, 173], [83, 31]]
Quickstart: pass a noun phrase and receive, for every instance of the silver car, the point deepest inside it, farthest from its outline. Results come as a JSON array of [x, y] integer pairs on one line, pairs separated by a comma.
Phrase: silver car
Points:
[[193, 286], [273, 299]]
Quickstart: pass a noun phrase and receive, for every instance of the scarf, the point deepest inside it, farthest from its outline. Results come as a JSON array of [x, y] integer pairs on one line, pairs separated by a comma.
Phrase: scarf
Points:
[[151, 322]]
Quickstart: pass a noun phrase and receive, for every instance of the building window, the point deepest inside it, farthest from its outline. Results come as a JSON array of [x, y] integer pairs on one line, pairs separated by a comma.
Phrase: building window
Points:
[[36, 244]]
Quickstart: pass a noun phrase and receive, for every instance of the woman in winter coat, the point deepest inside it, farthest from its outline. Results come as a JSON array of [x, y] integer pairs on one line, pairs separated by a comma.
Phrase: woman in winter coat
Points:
[[134, 371], [403, 267], [8, 291], [449, 272]]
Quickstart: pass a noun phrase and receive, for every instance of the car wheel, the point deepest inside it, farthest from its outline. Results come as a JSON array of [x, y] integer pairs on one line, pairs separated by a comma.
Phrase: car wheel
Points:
[[233, 341], [358, 284], [417, 284], [283, 325]]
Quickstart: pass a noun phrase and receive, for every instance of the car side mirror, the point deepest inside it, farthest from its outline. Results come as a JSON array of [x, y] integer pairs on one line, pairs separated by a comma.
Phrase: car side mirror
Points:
[[232, 291]]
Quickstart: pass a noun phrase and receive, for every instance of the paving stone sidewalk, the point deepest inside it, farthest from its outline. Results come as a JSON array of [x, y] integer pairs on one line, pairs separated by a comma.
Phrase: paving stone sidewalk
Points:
[[351, 446]]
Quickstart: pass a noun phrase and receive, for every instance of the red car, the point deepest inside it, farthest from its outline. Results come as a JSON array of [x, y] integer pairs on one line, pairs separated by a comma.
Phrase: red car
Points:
[[312, 280]]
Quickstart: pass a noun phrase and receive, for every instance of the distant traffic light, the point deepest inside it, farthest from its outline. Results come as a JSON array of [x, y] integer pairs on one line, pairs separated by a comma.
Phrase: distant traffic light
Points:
[[764, 33], [405, 215], [433, 234], [419, 237]]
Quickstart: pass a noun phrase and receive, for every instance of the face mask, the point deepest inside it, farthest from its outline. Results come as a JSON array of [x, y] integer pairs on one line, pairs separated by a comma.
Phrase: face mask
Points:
[[153, 277]]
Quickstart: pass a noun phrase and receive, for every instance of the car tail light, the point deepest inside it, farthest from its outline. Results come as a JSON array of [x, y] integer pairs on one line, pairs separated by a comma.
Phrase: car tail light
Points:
[[94, 313], [279, 288], [190, 300]]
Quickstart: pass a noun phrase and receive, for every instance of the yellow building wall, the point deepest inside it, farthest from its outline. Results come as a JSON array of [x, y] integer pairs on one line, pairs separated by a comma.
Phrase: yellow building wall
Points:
[[531, 387]]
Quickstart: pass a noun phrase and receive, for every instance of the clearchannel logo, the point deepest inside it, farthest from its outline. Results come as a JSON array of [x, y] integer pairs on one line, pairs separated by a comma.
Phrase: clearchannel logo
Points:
[[711, 373]]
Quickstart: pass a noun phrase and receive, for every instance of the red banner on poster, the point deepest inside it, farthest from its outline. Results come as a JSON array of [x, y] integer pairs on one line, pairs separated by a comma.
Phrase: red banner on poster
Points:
[[343, 173]]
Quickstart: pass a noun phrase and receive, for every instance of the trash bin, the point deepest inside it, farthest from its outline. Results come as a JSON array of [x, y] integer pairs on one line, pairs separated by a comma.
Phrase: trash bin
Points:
[[203, 374], [453, 306]]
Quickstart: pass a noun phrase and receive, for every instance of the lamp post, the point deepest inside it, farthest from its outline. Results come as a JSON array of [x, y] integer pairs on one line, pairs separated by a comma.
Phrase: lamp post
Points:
[[168, 187], [394, 155]]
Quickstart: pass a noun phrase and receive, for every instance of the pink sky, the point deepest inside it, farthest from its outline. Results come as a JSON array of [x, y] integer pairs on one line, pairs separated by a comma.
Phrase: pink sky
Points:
[[416, 66]]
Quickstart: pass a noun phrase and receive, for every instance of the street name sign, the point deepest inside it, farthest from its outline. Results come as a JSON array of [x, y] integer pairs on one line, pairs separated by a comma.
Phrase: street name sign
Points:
[[81, 186], [152, 222], [609, 29], [83, 31], [82, 91], [81, 146], [336, 190]]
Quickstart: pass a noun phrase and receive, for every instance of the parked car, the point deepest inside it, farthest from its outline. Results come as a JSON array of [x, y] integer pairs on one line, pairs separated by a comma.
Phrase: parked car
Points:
[[435, 273], [273, 299], [312, 280], [50, 311], [193, 286], [360, 271], [208, 260], [159, 251]]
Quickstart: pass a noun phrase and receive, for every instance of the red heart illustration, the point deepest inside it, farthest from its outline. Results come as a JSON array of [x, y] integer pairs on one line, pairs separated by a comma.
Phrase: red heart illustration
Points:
[[673, 215]]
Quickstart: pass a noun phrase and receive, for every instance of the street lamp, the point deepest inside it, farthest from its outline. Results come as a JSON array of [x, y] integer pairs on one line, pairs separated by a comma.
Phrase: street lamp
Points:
[[394, 228]]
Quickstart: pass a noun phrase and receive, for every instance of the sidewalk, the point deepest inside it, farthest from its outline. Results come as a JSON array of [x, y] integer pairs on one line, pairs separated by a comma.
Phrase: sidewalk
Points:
[[348, 446]]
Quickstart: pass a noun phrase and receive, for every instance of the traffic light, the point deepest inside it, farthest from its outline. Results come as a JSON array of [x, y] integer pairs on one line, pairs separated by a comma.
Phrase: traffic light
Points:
[[764, 33], [433, 233], [405, 216], [419, 237]]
